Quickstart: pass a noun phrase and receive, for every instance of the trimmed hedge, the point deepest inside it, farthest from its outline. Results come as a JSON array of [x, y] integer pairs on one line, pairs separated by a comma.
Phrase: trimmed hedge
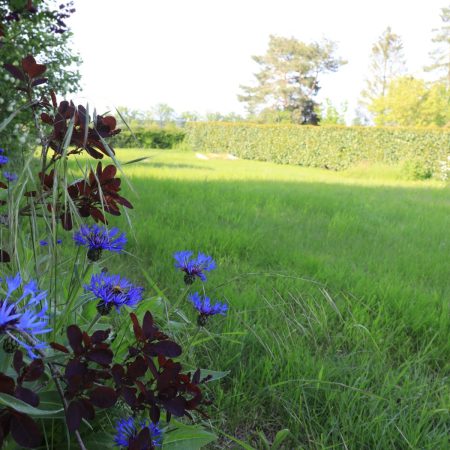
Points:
[[332, 147], [149, 138]]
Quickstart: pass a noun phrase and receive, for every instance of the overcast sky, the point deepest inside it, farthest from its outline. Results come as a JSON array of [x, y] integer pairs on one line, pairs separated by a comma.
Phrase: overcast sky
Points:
[[194, 54]]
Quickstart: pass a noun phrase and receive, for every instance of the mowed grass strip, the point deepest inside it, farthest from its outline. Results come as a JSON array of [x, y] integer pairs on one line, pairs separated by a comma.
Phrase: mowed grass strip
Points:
[[338, 285]]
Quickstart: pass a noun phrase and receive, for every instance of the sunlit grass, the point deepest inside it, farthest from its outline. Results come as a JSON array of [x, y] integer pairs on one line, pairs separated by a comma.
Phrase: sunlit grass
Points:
[[338, 287]]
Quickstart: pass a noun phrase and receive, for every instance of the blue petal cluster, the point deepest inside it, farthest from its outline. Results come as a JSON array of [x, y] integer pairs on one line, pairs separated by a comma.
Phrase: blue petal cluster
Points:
[[10, 176], [128, 429], [100, 238], [193, 267], [203, 305], [112, 290], [3, 159], [26, 314], [44, 243]]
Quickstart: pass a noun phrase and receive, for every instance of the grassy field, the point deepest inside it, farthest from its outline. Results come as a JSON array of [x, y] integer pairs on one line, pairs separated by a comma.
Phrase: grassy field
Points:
[[338, 288]]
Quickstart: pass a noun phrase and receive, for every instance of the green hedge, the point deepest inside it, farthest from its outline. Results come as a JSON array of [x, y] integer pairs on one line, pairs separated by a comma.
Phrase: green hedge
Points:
[[149, 138], [332, 147]]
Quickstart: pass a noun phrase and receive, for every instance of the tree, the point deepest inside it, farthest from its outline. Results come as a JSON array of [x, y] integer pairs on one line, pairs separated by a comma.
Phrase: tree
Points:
[[412, 102], [441, 54], [36, 28], [288, 79], [332, 115], [387, 62], [163, 113]]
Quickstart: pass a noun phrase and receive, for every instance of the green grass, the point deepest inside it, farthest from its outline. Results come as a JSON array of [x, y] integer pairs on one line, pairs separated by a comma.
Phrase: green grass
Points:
[[338, 287]]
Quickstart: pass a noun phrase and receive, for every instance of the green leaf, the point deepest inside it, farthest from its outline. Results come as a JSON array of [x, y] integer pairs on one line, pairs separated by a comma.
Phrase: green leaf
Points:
[[280, 437], [187, 438], [99, 440], [19, 405], [215, 374]]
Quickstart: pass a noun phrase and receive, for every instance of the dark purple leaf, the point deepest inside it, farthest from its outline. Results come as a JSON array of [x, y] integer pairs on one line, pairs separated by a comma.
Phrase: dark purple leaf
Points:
[[75, 338], [59, 347], [147, 325], [103, 397], [100, 356], [18, 361], [39, 81], [137, 368], [167, 348], [34, 370], [176, 406], [100, 336], [15, 72], [4, 256], [87, 410], [155, 413], [27, 396], [7, 384], [25, 431], [74, 415], [129, 395]]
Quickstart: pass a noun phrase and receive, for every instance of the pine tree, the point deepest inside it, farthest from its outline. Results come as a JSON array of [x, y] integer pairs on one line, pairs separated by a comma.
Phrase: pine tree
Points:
[[288, 79]]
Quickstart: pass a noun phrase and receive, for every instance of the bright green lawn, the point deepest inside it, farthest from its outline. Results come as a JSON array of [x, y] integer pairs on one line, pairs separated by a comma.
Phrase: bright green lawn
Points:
[[339, 292]]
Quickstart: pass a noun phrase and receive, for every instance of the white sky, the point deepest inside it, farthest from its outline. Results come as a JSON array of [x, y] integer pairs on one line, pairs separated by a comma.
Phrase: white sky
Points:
[[194, 54]]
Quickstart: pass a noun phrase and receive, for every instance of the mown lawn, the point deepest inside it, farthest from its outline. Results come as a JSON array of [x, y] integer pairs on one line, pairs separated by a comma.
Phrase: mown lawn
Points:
[[339, 291]]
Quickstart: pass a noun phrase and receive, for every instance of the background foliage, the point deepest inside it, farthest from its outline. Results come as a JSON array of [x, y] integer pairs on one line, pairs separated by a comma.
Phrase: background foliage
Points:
[[331, 147]]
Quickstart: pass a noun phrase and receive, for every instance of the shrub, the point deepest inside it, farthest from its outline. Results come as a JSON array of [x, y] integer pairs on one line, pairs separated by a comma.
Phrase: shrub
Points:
[[150, 137], [331, 147]]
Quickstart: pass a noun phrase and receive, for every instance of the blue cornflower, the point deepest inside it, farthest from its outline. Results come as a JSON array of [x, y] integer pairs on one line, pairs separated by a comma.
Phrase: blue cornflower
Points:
[[205, 308], [3, 159], [10, 176], [194, 267], [145, 435], [99, 238], [112, 290], [26, 314], [44, 243], [2, 150]]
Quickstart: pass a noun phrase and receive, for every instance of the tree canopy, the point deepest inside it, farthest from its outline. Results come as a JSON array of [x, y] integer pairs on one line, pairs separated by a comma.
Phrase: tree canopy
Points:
[[441, 54], [288, 78], [387, 62]]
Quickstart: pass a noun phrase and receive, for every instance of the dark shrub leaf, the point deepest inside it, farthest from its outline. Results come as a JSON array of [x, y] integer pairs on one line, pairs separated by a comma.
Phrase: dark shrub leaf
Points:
[[27, 396], [166, 348], [74, 415], [25, 431], [100, 336], [75, 338], [87, 410], [147, 325], [18, 361], [101, 356], [15, 72], [4, 256], [103, 397], [176, 406], [34, 370], [7, 384], [59, 347]]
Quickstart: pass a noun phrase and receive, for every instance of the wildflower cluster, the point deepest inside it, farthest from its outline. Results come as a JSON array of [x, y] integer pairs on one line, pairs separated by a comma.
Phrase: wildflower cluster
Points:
[[140, 375], [143, 435], [23, 318], [97, 239], [195, 267]]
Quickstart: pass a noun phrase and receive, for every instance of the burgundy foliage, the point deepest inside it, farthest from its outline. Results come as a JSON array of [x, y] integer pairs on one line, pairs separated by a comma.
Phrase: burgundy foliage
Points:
[[22, 427], [149, 379], [84, 134]]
